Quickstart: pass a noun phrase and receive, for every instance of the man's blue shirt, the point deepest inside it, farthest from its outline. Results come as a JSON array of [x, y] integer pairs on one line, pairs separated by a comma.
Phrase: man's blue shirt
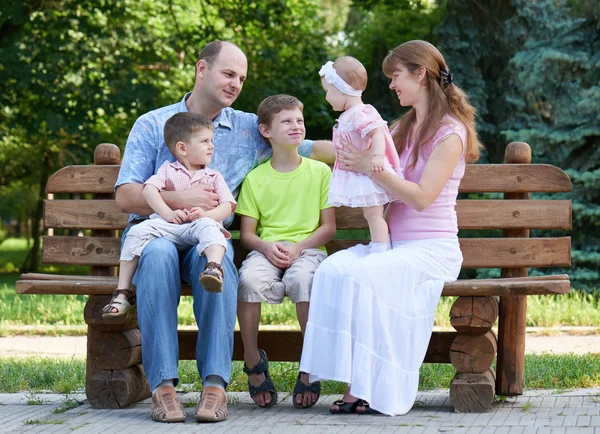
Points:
[[239, 146]]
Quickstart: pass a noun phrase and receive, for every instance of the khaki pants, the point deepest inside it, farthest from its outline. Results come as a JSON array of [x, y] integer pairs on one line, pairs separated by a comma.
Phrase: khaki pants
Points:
[[261, 281]]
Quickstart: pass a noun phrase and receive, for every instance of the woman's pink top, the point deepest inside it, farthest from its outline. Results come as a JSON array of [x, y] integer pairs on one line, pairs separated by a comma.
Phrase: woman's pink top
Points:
[[439, 219]]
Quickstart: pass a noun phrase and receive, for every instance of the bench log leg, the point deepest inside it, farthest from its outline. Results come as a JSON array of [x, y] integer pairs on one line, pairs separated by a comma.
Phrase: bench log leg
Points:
[[472, 353], [114, 375], [513, 310]]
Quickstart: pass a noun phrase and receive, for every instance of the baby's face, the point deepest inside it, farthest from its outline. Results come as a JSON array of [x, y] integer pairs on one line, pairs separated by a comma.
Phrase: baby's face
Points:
[[334, 97]]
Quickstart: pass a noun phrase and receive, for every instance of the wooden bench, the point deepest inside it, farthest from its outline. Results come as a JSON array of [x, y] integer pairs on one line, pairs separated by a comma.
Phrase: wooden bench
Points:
[[115, 377]]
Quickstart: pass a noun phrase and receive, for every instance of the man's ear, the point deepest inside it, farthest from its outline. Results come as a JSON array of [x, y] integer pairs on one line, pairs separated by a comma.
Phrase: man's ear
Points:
[[201, 68], [264, 130]]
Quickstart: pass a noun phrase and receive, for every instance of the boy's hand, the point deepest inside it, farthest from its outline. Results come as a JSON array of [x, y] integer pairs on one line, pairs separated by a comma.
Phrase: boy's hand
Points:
[[377, 163], [177, 216], [276, 254], [196, 213], [292, 252]]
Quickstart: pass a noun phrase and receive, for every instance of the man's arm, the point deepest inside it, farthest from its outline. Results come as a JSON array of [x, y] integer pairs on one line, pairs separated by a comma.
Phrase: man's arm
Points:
[[324, 151]]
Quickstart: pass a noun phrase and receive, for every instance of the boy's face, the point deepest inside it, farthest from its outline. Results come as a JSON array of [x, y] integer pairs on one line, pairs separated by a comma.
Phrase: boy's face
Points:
[[334, 97], [199, 149], [286, 129]]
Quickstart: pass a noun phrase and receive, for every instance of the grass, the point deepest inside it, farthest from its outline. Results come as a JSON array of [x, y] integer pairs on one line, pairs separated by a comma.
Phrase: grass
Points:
[[67, 376]]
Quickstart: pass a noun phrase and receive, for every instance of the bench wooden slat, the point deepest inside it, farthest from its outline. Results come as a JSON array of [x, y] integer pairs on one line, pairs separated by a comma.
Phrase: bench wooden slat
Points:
[[477, 252], [96, 251], [514, 214], [488, 214], [510, 178], [84, 214], [84, 179], [286, 345], [472, 214], [514, 178], [491, 252], [100, 285]]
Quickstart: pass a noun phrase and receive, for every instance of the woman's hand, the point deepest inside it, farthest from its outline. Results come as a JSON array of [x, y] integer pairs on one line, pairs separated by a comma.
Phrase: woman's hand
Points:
[[350, 158]]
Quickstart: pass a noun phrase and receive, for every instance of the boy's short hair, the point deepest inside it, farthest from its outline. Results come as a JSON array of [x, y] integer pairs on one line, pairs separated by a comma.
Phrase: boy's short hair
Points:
[[181, 126], [274, 104]]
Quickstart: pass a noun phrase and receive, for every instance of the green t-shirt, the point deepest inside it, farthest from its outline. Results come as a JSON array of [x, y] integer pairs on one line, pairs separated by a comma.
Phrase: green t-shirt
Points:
[[287, 206]]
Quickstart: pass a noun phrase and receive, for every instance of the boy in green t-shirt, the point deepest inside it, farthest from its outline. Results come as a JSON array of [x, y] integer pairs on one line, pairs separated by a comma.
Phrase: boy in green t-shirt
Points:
[[285, 223]]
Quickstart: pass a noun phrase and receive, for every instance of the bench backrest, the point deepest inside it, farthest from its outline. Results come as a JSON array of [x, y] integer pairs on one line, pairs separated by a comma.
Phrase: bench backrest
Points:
[[95, 209]]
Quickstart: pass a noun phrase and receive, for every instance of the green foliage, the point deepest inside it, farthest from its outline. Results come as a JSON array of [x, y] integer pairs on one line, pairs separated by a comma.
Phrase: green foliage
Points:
[[77, 73], [531, 69], [374, 28]]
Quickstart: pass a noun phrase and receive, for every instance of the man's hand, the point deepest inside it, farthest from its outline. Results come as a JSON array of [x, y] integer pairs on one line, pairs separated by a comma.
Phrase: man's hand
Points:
[[196, 213], [202, 196], [177, 216], [292, 252], [377, 163], [276, 253]]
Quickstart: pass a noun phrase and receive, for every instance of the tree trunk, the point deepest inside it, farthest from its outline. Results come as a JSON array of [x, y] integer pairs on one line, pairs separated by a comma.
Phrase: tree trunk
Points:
[[32, 261]]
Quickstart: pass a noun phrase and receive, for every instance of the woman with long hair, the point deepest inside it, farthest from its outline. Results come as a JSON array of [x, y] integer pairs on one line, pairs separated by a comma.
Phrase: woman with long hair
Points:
[[371, 314]]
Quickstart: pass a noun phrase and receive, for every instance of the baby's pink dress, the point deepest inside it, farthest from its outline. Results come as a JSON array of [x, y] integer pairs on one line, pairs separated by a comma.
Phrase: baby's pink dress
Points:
[[353, 189]]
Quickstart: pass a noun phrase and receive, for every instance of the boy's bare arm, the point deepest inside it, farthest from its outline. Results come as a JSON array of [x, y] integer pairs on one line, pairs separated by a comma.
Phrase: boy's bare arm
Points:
[[324, 233], [153, 198], [324, 151], [219, 213]]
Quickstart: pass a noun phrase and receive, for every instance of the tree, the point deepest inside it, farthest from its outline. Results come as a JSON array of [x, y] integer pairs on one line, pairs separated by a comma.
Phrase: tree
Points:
[[531, 69], [76, 73]]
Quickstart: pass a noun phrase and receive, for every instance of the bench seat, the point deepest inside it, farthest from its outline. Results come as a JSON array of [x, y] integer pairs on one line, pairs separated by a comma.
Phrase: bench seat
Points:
[[35, 283], [488, 315]]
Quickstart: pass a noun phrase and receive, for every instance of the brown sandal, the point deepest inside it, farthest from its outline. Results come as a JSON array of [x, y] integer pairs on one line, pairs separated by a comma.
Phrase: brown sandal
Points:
[[212, 277], [122, 306], [212, 406], [166, 407]]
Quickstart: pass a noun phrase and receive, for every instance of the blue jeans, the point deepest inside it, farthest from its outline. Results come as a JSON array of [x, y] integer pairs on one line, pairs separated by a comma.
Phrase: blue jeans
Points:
[[158, 289]]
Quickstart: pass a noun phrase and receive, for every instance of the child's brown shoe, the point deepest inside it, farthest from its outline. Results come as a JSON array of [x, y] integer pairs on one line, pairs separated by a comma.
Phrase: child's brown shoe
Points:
[[212, 277]]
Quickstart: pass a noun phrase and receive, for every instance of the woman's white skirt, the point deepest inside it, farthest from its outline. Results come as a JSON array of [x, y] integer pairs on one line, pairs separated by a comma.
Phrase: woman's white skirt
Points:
[[371, 318]]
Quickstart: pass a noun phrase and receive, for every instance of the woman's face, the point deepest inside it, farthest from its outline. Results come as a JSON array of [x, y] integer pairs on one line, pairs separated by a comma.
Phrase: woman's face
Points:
[[407, 85]]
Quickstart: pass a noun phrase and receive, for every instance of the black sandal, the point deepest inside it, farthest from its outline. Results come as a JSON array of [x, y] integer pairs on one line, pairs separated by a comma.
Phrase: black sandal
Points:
[[301, 388], [344, 407], [267, 385], [368, 409], [122, 306]]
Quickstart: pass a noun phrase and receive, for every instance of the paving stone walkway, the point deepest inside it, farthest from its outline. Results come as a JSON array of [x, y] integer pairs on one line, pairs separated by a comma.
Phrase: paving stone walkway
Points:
[[537, 411]]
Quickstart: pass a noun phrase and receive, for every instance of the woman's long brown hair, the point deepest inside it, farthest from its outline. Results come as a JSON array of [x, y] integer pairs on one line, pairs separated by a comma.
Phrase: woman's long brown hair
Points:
[[443, 99]]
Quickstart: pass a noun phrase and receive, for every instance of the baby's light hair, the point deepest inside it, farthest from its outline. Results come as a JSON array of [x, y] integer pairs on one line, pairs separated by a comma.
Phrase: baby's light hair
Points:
[[275, 104], [352, 72], [181, 126]]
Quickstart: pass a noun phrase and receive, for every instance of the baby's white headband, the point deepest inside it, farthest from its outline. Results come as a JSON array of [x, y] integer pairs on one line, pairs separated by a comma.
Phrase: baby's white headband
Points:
[[332, 77]]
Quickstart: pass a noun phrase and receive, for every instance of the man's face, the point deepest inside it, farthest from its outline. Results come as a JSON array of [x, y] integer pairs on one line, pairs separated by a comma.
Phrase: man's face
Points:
[[223, 80], [286, 129]]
